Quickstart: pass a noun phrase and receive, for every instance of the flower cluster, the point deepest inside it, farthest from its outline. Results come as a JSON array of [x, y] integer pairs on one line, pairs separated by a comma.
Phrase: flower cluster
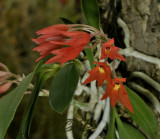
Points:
[[115, 89], [61, 41], [65, 42]]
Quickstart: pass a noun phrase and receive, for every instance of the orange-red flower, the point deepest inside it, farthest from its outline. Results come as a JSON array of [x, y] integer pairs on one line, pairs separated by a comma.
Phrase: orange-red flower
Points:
[[110, 51], [64, 54], [78, 40], [55, 38], [116, 91], [100, 73]]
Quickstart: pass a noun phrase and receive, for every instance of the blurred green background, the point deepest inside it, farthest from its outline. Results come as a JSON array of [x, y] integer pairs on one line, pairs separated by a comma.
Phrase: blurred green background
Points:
[[19, 20]]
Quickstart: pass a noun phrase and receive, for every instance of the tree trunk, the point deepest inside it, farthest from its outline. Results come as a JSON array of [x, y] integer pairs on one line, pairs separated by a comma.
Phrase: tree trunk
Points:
[[135, 25], [142, 20]]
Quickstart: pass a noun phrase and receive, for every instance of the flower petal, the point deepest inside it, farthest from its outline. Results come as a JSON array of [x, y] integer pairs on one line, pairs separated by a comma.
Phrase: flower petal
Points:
[[93, 76], [51, 29], [70, 54], [107, 92], [118, 56], [110, 42], [54, 34], [124, 99], [113, 97], [101, 78], [93, 71], [54, 59], [39, 41], [120, 79], [90, 79], [46, 47]]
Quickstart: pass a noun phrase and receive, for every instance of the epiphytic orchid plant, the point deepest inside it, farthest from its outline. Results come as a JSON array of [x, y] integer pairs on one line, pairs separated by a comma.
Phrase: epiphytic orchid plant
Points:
[[76, 57], [67, 41]]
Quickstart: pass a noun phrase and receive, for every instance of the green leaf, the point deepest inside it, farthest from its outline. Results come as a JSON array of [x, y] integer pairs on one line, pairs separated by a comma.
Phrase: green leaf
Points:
[[125, 130], [91, 12], [111, 130], [66, 21], [63, 87], [27, 119], [142, 115], [123, 134], [45, 72], [10, 102], [89, 54], [133, 132]]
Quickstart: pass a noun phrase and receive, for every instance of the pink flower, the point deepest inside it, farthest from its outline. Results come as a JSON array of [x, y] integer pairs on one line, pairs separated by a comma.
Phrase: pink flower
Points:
[[4, 87], [4, 75]]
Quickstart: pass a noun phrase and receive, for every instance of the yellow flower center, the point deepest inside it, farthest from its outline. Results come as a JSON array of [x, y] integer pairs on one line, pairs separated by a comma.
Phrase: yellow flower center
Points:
[[107, 50], [117, 86], [101, 70]]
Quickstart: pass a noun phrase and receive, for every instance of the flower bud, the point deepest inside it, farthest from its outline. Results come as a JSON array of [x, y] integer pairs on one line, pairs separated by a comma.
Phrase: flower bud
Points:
[[4, 75], [5, 87], [3, 67]]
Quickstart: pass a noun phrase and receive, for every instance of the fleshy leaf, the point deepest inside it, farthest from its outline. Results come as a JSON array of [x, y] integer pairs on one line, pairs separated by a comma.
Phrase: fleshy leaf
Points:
[[91, 12], [89, 54], [125, 131], [65, 20], [27, 119], [10, 102], [123, 134], [111, 130], [142, 115], [133, 132], [63, 87]]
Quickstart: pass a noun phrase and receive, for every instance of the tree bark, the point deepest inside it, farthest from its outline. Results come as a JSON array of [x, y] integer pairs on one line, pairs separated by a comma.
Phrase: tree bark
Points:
[[135, 25], [142, 18]]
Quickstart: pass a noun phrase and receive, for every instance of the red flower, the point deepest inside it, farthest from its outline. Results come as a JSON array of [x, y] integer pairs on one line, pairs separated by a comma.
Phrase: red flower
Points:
[[99, 73], [59, 36], [77, 42], [116, 91], [110, 51], [54, 29], [49, 34], [64, 54]]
